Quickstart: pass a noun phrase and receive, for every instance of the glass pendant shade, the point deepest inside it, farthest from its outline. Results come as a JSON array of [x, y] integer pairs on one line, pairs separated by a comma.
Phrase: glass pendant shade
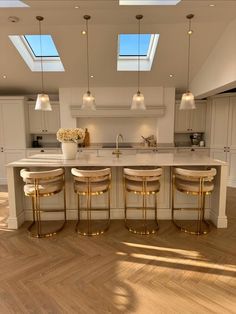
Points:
[[187, 101], [43, 103], [88, 101], [138, 102]]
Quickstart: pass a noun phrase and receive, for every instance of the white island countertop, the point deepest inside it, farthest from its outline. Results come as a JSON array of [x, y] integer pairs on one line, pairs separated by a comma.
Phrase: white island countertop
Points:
[[20, 210], [149, 159]]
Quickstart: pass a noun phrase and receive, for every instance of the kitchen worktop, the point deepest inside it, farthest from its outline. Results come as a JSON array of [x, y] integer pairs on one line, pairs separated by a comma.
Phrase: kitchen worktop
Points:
[[83, 159]]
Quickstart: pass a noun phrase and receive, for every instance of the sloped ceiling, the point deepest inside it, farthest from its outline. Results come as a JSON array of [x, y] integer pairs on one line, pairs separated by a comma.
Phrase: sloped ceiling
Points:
[[65, 23]]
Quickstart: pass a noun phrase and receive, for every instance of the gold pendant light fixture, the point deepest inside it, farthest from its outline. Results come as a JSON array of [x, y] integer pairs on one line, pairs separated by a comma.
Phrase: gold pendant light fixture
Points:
[[187, 101], [42, 102], [88, 98], [138, 98]]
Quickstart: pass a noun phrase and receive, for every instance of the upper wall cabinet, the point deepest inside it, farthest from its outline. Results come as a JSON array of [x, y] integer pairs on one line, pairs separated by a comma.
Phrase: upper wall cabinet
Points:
[[188, 121], [45, 122]]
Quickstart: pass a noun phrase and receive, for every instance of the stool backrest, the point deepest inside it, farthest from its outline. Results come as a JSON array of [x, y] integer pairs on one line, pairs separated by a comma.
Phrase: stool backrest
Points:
[[194, 175], [48, 176], [143, 174], [96, 175]]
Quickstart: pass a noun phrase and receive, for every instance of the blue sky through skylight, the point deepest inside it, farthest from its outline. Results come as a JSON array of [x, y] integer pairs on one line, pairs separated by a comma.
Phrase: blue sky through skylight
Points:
[[48, 47], [128, 44]]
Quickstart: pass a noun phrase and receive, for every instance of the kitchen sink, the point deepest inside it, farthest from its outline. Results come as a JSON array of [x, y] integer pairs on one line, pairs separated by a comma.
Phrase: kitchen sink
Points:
[[113, 145]]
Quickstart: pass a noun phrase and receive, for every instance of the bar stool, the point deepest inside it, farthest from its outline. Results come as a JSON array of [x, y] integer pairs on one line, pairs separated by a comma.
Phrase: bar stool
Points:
[[43, 184], [193, 182], [90, 183], [143, 182]]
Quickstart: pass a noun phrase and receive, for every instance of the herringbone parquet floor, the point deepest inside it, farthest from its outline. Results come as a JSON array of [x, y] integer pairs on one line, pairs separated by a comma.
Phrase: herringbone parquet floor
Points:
[[118, 272]]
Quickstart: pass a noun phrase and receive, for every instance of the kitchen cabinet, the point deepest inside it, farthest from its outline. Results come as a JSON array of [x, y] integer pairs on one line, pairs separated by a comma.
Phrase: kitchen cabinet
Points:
[[44, 122], [12, 132], [194, 150], [223, 133], [191, 120], [31, 152]]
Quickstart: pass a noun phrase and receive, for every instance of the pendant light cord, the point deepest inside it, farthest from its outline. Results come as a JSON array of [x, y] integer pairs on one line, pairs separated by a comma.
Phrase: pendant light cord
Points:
[[87, 37], [189, 55], [41, 56], [138, 56]]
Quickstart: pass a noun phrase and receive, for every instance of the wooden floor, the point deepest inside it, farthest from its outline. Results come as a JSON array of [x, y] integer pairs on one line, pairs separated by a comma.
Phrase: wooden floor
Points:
[[118, 272]]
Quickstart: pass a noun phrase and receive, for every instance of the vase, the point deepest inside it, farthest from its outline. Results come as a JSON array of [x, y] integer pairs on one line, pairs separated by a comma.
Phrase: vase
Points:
[[69, 150]]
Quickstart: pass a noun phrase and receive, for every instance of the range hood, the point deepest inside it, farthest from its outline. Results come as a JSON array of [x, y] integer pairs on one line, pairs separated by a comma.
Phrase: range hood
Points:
[[118, 112]]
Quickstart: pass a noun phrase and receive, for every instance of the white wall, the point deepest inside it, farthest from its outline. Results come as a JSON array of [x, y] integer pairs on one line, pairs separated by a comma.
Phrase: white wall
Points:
[[105, 129], [218, 73]]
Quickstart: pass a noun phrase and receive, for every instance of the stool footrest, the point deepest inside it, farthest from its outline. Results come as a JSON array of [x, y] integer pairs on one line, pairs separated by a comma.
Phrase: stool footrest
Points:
[[92, 227], [142, 227], [39, 234]]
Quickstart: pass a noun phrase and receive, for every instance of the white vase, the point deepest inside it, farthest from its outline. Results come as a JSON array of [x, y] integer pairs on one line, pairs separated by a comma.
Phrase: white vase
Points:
[[69, 150]]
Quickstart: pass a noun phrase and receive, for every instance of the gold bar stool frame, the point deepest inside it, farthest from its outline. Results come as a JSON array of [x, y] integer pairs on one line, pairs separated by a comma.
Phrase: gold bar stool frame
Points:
[[193, 182], [144, 182], [43, 184], [90, 183]]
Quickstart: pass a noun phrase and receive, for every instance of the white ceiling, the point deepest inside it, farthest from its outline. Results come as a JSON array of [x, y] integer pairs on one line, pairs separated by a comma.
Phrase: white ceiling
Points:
[[65, 23]]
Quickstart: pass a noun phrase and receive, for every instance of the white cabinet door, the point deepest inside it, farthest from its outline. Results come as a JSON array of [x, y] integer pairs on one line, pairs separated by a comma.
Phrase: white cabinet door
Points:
[[232, 124], [13, 125], [36, 123], [2, 168], [182, 120], [52, 119], [220, 121], [219, 154], [232, 167], [198, 118], [191, 120], [43, 122], [7, 157]]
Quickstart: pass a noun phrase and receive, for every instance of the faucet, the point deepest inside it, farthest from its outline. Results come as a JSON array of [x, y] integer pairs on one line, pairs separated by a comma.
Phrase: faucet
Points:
[[117, 152]]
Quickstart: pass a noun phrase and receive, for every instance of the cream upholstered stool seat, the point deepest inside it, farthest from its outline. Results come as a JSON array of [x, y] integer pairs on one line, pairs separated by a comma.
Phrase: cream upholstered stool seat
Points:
[[91, 183], [42, 184], [193, 182], [145, 183]]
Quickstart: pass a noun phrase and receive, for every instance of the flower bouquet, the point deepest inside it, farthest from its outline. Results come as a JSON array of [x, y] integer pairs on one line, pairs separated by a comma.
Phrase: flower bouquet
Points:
[[75, 135]]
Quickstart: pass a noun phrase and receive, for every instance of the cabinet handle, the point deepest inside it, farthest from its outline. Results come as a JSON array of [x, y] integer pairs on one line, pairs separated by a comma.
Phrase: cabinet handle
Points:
[[42, 151], [1, 149]]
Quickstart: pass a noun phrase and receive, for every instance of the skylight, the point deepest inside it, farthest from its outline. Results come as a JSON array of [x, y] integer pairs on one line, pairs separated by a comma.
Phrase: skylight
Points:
[[128, 44], [129, 51], [149, 2], [48, 47], [28, 47], [12, 4]]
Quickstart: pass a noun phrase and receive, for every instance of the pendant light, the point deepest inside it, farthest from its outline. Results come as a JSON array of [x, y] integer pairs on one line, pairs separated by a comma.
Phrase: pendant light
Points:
[[42, 102], [187, 101], [88, 98], [138, 98]]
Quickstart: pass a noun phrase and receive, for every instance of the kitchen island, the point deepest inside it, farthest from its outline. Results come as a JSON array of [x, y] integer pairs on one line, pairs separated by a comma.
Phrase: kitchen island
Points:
[[20, 206]]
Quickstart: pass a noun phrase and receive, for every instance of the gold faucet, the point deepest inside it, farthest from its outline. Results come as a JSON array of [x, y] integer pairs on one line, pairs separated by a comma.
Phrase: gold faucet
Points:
[[117, 152]]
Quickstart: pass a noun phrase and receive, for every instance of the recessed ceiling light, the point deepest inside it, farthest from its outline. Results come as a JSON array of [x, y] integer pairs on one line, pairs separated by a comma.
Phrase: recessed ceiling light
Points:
[[76, 7], [212, 5], [91, 76], [4, 76], [83, 32], [171, 75]]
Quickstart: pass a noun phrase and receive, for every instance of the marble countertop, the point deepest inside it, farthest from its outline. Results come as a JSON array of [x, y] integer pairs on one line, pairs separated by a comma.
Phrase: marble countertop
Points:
[[87, 159]]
